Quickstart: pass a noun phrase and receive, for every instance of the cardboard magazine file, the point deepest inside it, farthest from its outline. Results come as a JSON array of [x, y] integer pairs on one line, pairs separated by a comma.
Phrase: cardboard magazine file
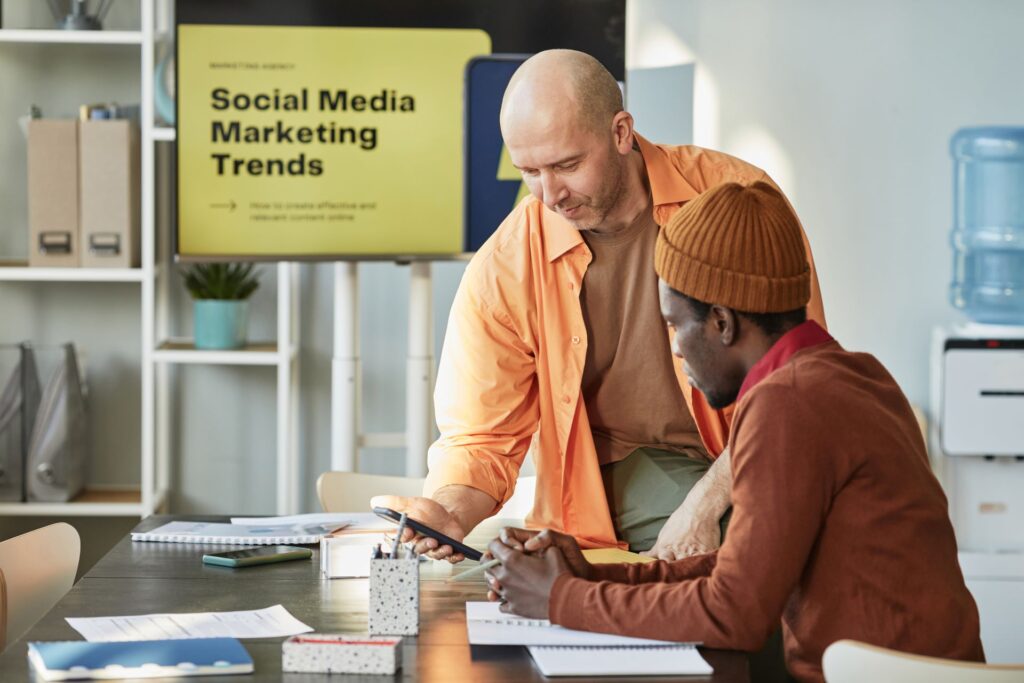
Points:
[[19, 401], [108, 163], [53, 193], [58, 449]]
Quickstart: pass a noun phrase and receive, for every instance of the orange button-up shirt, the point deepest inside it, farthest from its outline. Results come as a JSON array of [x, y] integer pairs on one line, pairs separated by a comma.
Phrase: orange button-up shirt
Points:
[[512, 362]]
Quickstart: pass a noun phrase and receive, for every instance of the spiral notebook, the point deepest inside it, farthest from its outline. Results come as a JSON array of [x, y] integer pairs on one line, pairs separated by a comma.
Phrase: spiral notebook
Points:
[[238, 534], [488, 625], [673, 660]]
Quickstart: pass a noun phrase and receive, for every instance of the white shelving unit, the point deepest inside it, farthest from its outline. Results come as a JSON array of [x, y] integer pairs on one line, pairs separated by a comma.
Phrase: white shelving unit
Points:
[[183, 352], [162, 351], [96, 500], [13, 35], [164, 134], [26, 274], [159, 351]]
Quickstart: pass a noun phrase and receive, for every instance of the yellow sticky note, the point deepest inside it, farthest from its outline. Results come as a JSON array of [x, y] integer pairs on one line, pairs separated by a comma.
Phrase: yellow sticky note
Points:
[[614, 556]]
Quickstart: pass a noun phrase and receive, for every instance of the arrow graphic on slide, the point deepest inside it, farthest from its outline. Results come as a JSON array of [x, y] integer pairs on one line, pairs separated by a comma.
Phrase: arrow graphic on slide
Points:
[[506, 171], [229, 205]]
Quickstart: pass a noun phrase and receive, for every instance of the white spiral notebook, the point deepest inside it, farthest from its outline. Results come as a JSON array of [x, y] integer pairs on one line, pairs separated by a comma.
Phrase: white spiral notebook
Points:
[[643, 660], [238, 534], [488, 625]]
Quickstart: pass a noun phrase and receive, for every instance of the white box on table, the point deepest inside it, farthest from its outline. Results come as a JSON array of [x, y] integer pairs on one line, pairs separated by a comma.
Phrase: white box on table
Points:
[[341, 653]]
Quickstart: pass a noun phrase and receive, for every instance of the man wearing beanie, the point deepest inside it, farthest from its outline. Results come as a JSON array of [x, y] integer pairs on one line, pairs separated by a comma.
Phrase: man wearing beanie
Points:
[[555, 344], [838, 527]]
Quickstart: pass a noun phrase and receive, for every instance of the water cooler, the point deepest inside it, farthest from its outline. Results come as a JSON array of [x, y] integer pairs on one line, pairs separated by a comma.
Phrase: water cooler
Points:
[[977, 382], [977, 440]]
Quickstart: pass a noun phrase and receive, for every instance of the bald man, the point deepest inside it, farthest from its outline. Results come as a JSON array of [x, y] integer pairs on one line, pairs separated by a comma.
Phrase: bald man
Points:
[[555, 337]]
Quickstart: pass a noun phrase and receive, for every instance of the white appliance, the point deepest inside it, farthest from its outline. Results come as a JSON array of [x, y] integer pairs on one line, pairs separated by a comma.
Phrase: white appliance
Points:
[[977, 446]]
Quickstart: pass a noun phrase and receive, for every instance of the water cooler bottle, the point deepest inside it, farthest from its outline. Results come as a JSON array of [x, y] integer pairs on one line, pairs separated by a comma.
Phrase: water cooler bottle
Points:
[[977, 382]]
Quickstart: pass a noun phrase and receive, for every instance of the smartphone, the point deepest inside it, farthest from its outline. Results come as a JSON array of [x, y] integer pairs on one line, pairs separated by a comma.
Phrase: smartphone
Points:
[[424, 530], [250, 557]]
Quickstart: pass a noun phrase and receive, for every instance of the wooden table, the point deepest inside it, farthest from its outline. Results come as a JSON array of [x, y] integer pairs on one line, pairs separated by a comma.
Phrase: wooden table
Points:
[[145, 578]]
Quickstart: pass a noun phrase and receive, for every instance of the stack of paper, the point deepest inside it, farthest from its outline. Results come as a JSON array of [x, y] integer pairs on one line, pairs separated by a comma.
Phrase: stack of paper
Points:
[[345, 554], [678, 660]]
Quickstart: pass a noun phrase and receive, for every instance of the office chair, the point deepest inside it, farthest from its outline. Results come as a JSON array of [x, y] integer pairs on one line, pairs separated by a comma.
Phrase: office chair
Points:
[[850, 661], [352, 491], [36, 570]]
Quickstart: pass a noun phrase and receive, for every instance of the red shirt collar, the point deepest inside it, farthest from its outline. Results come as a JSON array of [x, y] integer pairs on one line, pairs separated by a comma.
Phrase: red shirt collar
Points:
[[800, 337]]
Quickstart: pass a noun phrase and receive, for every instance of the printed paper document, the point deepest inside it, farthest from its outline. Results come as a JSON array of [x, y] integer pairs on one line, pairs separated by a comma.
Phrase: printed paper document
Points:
[[271, 622]]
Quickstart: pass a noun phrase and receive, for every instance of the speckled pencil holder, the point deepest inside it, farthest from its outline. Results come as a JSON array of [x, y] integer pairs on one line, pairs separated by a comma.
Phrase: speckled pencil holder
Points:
[[394, 597]]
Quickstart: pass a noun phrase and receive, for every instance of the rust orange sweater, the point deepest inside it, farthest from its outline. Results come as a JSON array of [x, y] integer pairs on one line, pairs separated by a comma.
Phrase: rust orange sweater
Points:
[[838, 527]]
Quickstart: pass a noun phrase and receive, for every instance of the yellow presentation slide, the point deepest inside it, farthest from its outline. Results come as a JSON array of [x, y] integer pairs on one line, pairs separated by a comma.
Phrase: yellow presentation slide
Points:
[[321, 141]]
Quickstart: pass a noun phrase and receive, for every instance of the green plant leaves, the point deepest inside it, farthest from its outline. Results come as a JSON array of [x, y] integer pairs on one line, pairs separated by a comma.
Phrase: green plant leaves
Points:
[[231, 281]]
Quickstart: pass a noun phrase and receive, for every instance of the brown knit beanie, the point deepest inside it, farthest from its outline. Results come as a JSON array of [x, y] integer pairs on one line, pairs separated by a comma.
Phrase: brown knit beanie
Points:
[[736, 246]]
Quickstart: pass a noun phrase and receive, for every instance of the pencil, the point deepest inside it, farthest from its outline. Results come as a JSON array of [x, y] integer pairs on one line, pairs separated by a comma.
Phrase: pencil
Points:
[[398, 536], [479, 569]]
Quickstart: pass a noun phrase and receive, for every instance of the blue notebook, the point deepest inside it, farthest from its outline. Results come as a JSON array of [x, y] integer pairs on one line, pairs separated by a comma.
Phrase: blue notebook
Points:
[[64, 661]]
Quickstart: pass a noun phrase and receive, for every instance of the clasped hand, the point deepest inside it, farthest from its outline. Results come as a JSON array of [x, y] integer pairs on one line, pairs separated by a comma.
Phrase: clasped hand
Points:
[[531, 562]]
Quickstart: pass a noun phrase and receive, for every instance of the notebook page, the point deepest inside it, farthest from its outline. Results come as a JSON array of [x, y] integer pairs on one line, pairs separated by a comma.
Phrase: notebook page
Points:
[[679, 660], [488, 625]]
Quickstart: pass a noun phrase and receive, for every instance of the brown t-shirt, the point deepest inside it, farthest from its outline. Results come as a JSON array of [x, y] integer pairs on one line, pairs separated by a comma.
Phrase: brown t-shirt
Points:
[[630, 389]]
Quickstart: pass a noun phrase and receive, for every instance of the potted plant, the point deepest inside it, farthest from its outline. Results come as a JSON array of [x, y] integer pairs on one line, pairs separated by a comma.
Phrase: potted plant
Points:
[[221, 309]]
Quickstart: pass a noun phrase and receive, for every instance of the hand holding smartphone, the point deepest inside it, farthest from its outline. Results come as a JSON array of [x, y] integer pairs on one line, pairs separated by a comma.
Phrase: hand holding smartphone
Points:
[[424, 530]]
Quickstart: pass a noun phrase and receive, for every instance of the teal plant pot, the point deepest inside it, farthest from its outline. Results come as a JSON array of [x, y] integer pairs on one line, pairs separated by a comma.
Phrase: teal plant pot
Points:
[[220, 324]]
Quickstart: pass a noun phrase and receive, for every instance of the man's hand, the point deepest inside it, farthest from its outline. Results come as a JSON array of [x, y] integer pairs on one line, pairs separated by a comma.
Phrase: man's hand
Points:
[[434, 515], [524, 580], [687, 532], [694, 528], [454, 510]]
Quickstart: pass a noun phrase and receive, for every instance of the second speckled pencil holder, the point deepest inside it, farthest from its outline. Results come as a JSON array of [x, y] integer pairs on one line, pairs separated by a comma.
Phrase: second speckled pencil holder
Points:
[[394, 597]]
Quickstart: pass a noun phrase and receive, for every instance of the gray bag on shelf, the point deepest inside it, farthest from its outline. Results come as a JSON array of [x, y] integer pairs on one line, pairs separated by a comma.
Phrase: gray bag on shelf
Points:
[[58, 449], [19, 401]]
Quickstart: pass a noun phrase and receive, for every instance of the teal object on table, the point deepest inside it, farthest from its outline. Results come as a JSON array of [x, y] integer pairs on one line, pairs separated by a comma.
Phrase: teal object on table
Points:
[[220, 324]]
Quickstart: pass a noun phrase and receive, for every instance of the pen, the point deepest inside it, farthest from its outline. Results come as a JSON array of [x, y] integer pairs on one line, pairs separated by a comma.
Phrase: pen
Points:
[[398, 536], [479, 569]]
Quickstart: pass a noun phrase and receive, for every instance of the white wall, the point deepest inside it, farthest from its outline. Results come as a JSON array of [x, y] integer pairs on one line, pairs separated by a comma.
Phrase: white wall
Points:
[[850, 107]]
